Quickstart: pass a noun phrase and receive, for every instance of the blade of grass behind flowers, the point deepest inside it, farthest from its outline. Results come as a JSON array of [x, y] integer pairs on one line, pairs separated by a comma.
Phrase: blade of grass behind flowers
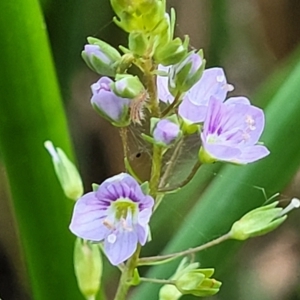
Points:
[[31, 112]]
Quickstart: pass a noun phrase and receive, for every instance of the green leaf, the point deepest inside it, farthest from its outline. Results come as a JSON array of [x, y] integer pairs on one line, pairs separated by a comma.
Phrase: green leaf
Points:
[[31, 112]]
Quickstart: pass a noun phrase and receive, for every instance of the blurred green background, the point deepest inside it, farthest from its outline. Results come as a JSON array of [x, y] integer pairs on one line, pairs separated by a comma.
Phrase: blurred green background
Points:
[[44, 94]]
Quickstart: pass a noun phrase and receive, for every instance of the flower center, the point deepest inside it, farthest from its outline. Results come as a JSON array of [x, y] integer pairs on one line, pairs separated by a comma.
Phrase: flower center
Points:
[[122, 206]]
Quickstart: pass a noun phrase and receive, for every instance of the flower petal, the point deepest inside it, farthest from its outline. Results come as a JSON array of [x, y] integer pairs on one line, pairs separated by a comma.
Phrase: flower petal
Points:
[[253, 153], [192, 112], [212, 83], [87, 219], [162, 86], [122, 247]]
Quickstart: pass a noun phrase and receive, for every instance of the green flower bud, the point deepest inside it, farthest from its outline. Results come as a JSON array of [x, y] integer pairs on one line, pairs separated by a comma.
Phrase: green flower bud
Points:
[[138, 42], [142, 15], [127, 86], [66, 172], [88, 267], [169, 292], [198, 283], [170, 53], [186, 73], [261, 220], [101, 57]]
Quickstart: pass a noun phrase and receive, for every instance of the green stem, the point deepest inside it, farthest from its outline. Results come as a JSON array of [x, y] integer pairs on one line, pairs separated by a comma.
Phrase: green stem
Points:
[[155, 280], [171, 163], [173, 105], [150, 83], [155, 169], [127, 275], [185, 182], [147, 260], [124, 139]]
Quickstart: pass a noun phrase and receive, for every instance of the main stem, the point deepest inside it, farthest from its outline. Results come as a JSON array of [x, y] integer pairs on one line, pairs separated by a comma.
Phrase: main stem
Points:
[[132, 263]]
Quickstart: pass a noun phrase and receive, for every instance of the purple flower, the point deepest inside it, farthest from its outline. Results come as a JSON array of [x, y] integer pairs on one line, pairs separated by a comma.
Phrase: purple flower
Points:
[[195, 102], [108, 104], [117, 213], [231, 131], [166, 132]]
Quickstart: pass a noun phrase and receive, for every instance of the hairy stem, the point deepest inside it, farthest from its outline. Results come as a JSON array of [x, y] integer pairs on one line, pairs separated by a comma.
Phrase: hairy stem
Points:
[[148, 260], [124, 138], [150, 83]]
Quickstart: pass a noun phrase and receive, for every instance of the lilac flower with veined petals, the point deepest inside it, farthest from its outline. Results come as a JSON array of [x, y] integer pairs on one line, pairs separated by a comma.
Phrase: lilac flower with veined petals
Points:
[[195, 102], [231, 132], [117, 213]]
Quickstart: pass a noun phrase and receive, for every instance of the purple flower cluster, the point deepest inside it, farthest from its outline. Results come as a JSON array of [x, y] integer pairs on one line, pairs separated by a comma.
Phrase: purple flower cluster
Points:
[[117, 213], [231, 129]]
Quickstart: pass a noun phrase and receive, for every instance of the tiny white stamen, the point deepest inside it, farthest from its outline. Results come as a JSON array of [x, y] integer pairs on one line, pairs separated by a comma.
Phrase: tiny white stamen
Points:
[[295, 203], [245, 136], [112, 238], [52, 151], [250, 122], [230, 87]]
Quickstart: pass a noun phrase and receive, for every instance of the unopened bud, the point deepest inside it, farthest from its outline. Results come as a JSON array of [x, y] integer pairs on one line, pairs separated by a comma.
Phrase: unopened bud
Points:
[[198, 283], [88, 267], [101, 57], [66, 172], [127, 86], [261, 220], [186, 73]]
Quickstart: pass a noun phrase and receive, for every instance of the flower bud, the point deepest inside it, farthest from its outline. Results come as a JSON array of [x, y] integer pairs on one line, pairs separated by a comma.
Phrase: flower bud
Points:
[[138, 42], [66, 172], [170, 53], [110, 106], [261, 220], [186, 73], [88, 267], [127, 86], [101, 57], [169, 292], [198, 283], [143, 15], [165, 132]]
